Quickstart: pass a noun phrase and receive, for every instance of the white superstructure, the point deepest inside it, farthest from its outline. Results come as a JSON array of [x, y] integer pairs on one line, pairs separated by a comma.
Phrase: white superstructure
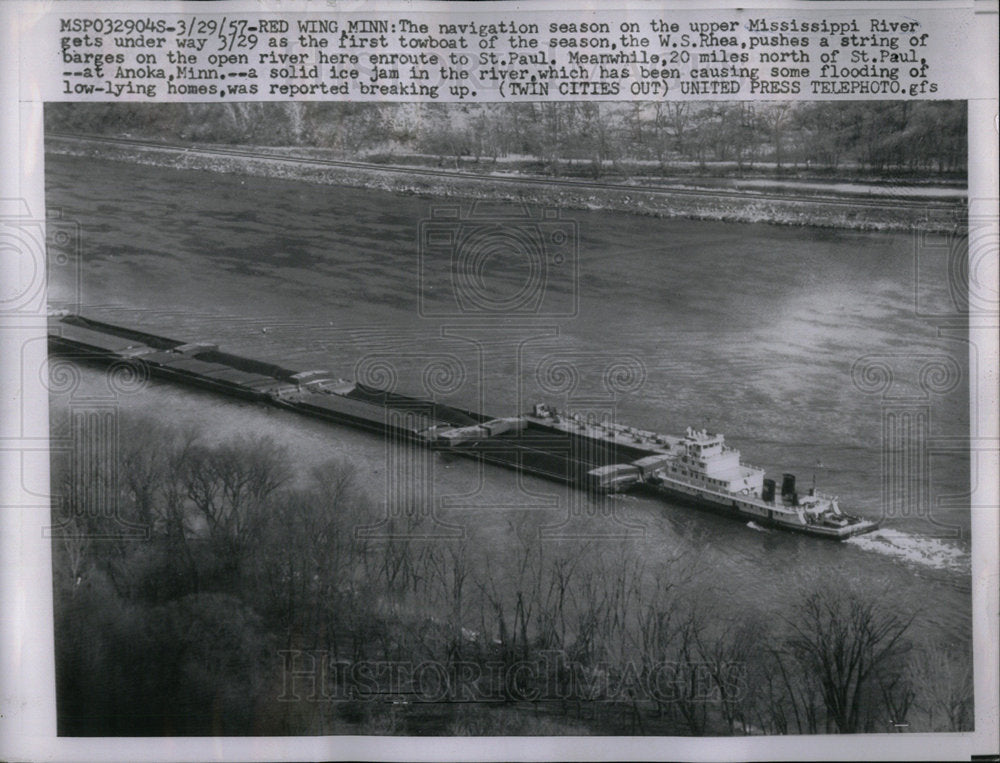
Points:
[[699, 467]]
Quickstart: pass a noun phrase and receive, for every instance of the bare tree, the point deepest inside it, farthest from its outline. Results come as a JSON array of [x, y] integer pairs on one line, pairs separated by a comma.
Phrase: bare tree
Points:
[[848, 645], [691, 699], [775, 118], [671, 121], [451, 568], [728, 656], [800, 693], [556, 597], [230, 484], [946, 688]]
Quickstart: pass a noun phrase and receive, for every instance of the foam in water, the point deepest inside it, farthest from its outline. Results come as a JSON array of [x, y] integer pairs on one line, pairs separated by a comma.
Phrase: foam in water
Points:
[[916, 549], [754, 526]]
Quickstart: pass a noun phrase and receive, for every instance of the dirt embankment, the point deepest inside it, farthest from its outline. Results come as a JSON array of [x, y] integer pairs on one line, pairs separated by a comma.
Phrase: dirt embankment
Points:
[[747, 207]]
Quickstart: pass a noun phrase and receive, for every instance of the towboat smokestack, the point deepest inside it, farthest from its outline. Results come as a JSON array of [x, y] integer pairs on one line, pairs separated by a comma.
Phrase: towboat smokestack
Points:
[[787, 485], [767, 494]]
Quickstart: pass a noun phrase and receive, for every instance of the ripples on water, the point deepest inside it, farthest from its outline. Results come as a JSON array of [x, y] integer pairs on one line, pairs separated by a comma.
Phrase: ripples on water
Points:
[[747, 329]]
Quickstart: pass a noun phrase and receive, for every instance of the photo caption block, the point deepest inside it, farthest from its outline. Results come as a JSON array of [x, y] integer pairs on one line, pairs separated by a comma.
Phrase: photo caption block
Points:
[[475, 56]]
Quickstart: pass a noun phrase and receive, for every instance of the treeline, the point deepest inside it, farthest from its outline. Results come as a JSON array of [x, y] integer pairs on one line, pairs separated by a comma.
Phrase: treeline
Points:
[[217, 588], [880, 139]]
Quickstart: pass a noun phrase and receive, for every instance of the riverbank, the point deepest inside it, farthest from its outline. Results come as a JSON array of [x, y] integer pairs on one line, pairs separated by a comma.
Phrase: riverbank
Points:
[[780, 205], [750, 329]]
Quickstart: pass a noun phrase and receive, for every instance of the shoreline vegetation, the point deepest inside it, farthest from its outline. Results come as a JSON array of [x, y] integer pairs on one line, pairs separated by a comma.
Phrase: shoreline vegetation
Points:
[[206, 587], [685, 162], [229, 592]]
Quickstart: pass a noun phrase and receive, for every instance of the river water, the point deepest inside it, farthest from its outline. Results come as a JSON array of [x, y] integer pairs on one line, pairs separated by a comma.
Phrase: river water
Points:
[[751, 330]]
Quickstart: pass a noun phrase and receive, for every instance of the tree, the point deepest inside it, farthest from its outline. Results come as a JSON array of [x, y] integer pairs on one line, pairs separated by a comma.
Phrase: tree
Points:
[[673, 119], [775, 118], [852, 650], [439, 133], [595, 136], [729, 651], [828, 132], [946, 695], [740, 130], [230, 484], [552, 127]]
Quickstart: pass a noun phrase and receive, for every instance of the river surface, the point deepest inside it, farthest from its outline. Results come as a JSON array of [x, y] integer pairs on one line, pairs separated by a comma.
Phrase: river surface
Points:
[[751, 330]]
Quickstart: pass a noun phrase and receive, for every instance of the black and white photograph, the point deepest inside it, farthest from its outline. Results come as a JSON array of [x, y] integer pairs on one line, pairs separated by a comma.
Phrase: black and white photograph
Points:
[[510, 420]]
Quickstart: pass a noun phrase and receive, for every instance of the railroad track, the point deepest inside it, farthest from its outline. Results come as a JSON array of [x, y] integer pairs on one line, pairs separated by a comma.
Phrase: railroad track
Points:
[[869, 202]]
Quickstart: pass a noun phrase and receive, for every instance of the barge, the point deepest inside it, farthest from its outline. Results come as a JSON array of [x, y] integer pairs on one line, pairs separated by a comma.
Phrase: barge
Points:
[[695, 468]]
